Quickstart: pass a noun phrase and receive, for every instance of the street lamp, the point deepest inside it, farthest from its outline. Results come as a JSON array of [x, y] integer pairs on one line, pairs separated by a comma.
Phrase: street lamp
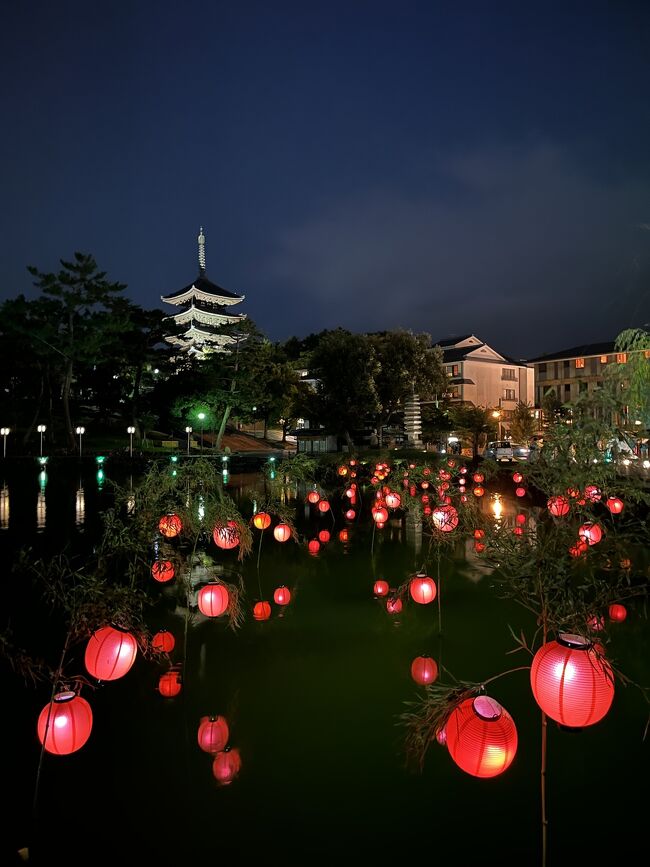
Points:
[[201, 419], [188, 431], [497, 414], [5, 431], [130, 430], [255, 423], [80, 431], [41, 429]]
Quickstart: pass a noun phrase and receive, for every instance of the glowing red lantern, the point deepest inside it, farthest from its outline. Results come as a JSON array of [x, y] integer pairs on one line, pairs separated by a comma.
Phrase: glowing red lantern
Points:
[[170, 525], [481, 737], [590, 533], [520, 519], [463, 470], [261, 610], [227, 536], [617, 612], [380, 515], [479, 547], [68, 720], [344, 536], [596, 623], [394, 605], [478, 491], [424, 670], [478, 478], [213, 734], [380, 588], [423, 589], [579, 549], [170, 684], [342, 471], [520, 492], [445, 518], [213, 599], [163, 570], [517, 478], [282, 595], [282, 532], [444, 475], [593, 493], [313, 497], [313, 546], [518, 531], [573, 492], [615, 505], [478, 533], [110, 653], [571, 682], [262, 520], [324, 536], [393, 500], [558, 506], [163, 641], [226, 766], [350, 515], [323, 506]]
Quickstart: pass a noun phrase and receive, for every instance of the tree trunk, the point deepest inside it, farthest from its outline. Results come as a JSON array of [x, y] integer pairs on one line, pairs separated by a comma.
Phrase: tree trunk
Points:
[[222, 426], [348, 440], [135, 400], [37, 411], [67, 382]]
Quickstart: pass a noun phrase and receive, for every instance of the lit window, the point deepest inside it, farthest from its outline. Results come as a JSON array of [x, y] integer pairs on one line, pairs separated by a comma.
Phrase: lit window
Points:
[[580, 362], [603, 359], [647, 353], [621, 357]]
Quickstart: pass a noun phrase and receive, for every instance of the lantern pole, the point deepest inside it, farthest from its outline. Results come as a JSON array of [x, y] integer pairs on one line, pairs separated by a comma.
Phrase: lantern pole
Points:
[[188, 431], [201, 419], [130, 431], [41, 429], [5, 431], [80, 431]]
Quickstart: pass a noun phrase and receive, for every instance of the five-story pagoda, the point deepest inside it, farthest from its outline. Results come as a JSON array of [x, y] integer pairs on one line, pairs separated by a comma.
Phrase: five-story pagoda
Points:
[[202, 313]]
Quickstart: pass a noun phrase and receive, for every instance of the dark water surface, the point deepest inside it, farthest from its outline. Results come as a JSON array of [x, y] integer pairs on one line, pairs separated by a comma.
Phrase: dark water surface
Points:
[[312, 698]]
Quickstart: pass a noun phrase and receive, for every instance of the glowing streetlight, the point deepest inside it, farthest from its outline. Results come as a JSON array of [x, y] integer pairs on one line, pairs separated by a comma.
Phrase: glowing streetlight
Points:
[[254, 423], [201, 419], [41, 429], [188, 431], [4, 432], [80, 431], [130, 430]]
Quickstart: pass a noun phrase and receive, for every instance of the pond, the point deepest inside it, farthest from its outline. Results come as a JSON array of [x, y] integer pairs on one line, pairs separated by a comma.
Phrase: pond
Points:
[[312, 698]]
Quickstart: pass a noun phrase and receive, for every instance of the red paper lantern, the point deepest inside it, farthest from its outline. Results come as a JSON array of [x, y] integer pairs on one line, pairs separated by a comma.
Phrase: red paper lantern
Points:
[[350, 515], [227, 536], [478, 478], [380, 515], [110, 653], [518, 531], [617, 612], [393, 500], [394, 605], [596, 622], [344, 535], [262, 520], [170, 684], [517, 478], [69, 725], [313, 496], [282, 532], [444, 475], [579, 549], [213, 734], [615, 505], [213, 599], [261, 610], [226, 766], [463, 470], [323, 506], [558, 506], [423, 589], [590, 533], [342, 471], [282, 595], [324, 536], [445, 518], [520, 519], [163, 570], [573, 492], [479, 547], [593, 493], [481, 737], [520, 492], [478, 491], [163, 641], [170, 525], [571, 682], [380, 588], [313, 546], [479, 534], [424, 670]]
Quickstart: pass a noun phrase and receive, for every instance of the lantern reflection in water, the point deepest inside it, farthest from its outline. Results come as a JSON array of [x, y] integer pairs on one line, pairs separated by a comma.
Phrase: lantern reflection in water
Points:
[[4, 508], [80, 507], [41, 507]]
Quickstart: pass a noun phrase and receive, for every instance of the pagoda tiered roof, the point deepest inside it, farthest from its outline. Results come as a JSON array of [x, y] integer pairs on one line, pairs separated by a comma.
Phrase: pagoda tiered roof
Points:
[[204, 290]]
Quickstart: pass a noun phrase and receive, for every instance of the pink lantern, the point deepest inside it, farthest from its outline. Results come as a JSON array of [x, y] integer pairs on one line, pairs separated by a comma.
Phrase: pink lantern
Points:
[[424, 670], [423, 589], [590, 533]]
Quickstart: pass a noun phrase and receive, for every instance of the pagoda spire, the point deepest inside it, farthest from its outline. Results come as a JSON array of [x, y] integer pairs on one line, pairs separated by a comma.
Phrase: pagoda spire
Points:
[[201, 240]]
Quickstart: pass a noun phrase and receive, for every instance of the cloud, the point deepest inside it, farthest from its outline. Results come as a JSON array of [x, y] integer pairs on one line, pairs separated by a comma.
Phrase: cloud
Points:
[[520, 246]]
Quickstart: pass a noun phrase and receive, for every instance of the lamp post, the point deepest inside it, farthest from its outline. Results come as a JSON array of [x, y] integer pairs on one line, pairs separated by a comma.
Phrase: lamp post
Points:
[[130, 430], [188, 431], [497, 415], [5, 431], [255, 423], [201, 419], [80, 431], [41, 429]]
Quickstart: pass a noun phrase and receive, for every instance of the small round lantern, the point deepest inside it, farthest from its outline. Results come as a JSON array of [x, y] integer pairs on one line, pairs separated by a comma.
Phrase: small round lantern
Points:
[[520, 492], [380, 588], [170, 525], [615, 505], [282, 595], [520, 519], [226, 766], [424, 670], [170, 684], [344, 535], [478, 478], [69, 726], [226, 536], [350, 515], [163, 641], [517, 478], [163, 571], [110, 653], [571, 682], [423, 589], [394, 605], [380, 515], [313, 497], [213, 734], [593, 493], [579, 549], [590, 533], [393, 500], [324, 536], [213, 599], [481, 737], [261, 610], [617, 612], [282, 532], [478, 491], [444, 518], [324, 506], [262, 520], [313, 546], [558, 506], [479, 533]]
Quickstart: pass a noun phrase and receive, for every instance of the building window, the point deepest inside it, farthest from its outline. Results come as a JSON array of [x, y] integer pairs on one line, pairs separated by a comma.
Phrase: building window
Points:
[[580, 362], [621, 357], [582, 387], [509, 393], [508, 373], [454, 392], [453, 370], [566, 365], [542, 368], [604, 359], [567, 389]]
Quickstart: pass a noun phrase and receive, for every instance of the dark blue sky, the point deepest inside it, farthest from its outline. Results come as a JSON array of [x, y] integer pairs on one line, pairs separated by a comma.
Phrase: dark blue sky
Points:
[[479, 167]]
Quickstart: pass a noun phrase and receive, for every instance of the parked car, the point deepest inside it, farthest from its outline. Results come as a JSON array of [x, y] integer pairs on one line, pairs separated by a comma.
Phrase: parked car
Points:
[[500, 451], [520, 451]]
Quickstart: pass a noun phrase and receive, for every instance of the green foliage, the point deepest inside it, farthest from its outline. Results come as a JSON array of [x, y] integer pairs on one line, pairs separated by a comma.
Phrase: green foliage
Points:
[[522, 423], [473, 422]]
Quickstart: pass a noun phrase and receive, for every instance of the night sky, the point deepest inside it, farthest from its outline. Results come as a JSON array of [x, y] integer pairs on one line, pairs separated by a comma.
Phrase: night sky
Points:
[[445, 167]]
